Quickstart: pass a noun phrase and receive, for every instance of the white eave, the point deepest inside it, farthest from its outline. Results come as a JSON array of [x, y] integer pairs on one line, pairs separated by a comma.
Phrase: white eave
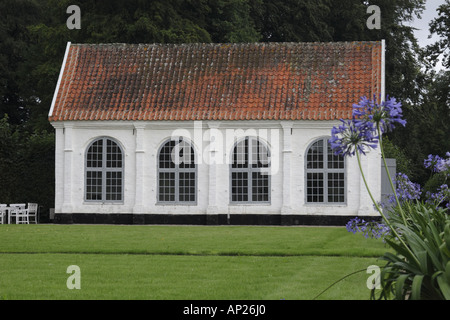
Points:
[[383, 70]]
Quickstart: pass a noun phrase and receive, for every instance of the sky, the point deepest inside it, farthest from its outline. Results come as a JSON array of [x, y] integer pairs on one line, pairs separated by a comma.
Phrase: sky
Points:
[[423, 24]]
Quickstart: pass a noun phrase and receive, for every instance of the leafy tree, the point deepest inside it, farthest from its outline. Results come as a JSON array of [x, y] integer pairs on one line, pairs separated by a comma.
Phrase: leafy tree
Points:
[[230, 21], [292, 20], [26, 165], [347, 19], [428, 128], [8, 144], [14, 38], [441, 27], [36, 177]]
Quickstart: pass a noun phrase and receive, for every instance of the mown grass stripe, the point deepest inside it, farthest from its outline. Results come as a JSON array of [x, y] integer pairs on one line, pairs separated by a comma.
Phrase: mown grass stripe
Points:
[[222, 254]]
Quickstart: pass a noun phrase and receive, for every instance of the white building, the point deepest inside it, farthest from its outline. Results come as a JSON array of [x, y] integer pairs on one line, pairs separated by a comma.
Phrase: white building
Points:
[[211, 133]]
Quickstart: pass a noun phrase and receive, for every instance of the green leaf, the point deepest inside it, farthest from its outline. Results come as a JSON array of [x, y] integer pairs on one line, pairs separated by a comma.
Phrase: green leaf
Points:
[[399, 287], [447, 271], [444, 285], [447, 235], [443, 281], [400, 250], [422, 257], [416, 287]]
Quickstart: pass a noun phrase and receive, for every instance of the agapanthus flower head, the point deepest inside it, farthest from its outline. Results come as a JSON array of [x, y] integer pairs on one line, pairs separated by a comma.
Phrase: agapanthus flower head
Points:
[[350, 137], [370, 229], [393, 113], [406, 190], [438, 164], [441, 197], [384, 115], [361, 132], [431, 162]]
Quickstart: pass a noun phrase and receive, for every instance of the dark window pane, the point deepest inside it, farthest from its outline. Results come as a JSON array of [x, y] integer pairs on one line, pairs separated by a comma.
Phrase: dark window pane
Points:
[[314, 186], [239, 190], [240, 155], [166, 186], [315, 156], [260, 190], [94, 185]]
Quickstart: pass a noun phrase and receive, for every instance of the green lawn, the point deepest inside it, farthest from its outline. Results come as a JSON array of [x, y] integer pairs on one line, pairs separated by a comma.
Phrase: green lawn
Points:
[[184, 262]]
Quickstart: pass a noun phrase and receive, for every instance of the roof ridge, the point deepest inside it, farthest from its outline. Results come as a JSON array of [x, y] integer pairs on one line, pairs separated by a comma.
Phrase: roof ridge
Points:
[[223, 44]]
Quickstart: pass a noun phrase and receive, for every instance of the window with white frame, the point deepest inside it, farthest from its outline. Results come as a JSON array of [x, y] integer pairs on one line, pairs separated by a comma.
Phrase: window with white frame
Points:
[[104, 171], [249, 173], [177, 172], [325, 174]]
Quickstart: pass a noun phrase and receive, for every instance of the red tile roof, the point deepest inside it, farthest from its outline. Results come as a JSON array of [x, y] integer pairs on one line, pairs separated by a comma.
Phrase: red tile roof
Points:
[[284, 81]]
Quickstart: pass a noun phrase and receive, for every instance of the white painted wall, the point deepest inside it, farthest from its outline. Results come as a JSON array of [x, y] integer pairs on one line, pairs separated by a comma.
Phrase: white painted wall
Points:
[[140, 141]]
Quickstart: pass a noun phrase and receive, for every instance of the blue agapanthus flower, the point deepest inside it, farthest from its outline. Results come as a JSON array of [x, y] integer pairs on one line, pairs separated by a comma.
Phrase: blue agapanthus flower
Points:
[[406, 189], [370, 229], [361, 132], [385, 115], [440, 197], [438, 164], [431, 162], [393, 114], [351, 137]]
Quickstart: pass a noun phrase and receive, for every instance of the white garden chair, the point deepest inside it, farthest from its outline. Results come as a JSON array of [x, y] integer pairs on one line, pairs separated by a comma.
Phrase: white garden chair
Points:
[[17, 211], [2, 212], [32, 212]]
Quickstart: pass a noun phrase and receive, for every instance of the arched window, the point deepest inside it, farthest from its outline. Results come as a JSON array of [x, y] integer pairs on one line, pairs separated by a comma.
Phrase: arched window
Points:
[[325, 174], [177, 172], [250, 176], [104, 171]]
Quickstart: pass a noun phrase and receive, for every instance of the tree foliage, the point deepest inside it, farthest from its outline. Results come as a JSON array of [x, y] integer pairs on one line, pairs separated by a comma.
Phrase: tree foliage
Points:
[[441, 27], [26, 165], [14, 40]]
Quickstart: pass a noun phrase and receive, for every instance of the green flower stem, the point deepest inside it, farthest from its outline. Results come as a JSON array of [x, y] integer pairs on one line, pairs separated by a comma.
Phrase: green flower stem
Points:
[[389, 175], [381, 211], [368, 190]]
